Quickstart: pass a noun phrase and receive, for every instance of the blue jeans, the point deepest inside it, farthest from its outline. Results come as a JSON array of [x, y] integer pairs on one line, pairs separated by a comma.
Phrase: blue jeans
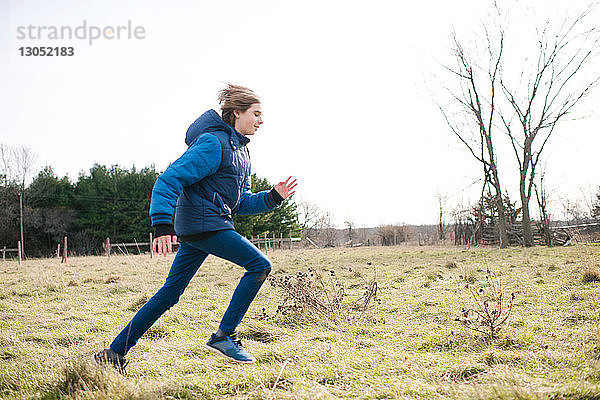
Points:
[[227, 244]]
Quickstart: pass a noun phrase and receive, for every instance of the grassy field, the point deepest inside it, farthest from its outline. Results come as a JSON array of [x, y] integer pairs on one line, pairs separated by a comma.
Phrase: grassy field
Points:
[[53, 316]]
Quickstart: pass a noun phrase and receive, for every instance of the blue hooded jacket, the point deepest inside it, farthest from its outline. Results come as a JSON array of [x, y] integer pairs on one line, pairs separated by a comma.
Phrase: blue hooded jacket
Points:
[[210, 182]]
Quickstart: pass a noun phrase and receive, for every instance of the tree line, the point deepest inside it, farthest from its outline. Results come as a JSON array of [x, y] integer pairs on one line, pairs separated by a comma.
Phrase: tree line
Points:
[[107, 201]]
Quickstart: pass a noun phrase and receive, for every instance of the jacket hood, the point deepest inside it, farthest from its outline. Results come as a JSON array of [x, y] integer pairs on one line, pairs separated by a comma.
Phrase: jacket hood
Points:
[[208, 122]]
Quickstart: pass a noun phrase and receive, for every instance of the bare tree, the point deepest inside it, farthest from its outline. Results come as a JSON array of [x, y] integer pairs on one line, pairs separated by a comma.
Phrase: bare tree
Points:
[[588, 199], [6, 157], [596, 206], [326, 232], [391, 235], [441, 223], [24, 159], [317, 224], [550, 92], [350, 225], [361, 234], [474, 98], [308, 215], [573, 211]]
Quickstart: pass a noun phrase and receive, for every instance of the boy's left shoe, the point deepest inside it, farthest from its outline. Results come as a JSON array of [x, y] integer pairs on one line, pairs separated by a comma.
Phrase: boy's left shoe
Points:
[[109, 357], [229, 347]]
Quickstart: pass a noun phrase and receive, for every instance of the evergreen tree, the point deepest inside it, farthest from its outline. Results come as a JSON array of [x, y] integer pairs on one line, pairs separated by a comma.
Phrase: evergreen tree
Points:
[[48, 215], [47, 190], [488, 210], [9, 213], [114, 202]]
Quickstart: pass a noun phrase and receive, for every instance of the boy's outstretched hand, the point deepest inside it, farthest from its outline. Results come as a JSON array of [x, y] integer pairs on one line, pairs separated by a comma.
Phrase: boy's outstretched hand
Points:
[[164, 244], [286, 189]]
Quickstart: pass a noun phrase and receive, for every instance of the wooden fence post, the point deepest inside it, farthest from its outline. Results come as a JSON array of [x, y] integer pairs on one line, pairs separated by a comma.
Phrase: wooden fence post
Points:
[[108, 247], [64, 257], [58, 251], [151, 247], [266, 244], [4, 253], [19, 250]]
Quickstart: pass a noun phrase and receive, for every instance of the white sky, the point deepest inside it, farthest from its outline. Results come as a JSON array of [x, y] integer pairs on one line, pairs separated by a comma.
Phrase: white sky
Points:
[[345, 85]]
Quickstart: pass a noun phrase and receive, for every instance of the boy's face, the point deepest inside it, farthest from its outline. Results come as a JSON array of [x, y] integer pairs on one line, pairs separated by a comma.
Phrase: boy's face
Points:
[[247, 122]]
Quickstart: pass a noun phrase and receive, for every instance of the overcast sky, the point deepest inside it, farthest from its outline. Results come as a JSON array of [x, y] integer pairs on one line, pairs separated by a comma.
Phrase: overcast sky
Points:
[[347, 89]]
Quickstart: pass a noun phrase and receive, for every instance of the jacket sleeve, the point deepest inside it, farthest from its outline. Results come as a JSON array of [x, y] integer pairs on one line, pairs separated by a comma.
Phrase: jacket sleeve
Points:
[[256, 203], [200, 160]]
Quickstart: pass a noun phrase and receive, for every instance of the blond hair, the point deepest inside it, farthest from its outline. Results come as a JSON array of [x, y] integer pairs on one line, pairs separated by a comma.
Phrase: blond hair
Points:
[[235, 97]]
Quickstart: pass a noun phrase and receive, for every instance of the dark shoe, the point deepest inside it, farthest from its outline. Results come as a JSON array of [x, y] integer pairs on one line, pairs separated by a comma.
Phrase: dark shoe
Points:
[[109, 357], [229, 347]]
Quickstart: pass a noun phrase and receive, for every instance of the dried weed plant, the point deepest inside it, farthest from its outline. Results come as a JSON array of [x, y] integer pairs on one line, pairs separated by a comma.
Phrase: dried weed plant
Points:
[[309, 294], [491, 308]]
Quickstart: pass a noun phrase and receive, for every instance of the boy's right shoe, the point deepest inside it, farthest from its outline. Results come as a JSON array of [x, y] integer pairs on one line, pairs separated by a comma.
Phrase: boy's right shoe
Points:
[[109, 357], [229, 347]]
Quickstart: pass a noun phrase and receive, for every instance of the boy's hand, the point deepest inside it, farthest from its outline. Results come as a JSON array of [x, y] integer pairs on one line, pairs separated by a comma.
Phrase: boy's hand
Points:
[[164, 244], [286, 189]]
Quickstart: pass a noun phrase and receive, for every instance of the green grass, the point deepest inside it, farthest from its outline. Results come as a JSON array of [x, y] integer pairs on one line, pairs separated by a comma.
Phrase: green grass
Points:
[[53, 316]]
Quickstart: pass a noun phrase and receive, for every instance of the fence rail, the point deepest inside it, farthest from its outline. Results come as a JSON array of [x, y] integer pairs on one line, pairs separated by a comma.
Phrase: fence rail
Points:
[[267, 243], [5, 250]]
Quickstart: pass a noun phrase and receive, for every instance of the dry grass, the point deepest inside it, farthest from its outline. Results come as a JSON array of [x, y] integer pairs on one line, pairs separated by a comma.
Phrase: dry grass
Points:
[[591, 275], [53, 316]]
